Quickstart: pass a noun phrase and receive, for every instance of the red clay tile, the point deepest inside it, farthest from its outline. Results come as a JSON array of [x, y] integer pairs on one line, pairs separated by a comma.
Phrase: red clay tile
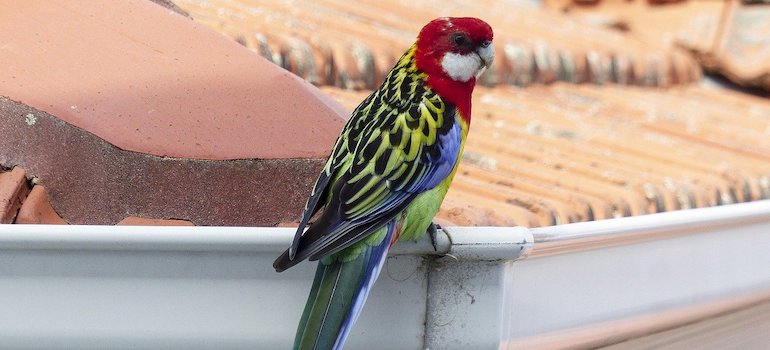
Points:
[[92, 182], [108, 130], [138, 221], [13, 189], [37, 209], [159, 83]]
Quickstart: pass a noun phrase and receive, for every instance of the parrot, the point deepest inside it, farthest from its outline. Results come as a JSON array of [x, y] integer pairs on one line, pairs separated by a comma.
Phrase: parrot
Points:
[[387, 174]]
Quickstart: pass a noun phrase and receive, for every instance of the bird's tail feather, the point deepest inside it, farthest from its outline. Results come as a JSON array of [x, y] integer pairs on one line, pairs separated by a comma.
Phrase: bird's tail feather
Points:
[[337, 296]]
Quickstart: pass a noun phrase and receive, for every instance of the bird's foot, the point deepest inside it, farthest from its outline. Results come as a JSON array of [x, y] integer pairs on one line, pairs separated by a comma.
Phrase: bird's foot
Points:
[[433, 232]]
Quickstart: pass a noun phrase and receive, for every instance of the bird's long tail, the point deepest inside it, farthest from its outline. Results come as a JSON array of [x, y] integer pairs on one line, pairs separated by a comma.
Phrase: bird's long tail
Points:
[[338, 295]]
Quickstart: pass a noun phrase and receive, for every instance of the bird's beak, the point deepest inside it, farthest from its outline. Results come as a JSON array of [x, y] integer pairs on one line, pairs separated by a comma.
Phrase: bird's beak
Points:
[[487, 53]]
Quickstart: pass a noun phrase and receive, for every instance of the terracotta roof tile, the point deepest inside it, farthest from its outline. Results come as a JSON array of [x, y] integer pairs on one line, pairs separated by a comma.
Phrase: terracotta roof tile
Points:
[[159, 83], [37, 209], [742, 49], [331, 42], [458, 213], [129, 109], [567, 153], [22, 202], [693, 24], [139, 221], [13, 189], [728, 37], [664, 23], [91, 181]]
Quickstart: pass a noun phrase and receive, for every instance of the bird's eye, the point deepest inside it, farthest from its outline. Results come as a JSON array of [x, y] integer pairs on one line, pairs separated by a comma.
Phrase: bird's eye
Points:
[[461, 40]]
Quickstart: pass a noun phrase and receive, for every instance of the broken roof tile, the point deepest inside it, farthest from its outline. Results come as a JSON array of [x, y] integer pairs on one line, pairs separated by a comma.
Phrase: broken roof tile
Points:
[[13, 189], [566, 153], [37, 209], [353, 46]]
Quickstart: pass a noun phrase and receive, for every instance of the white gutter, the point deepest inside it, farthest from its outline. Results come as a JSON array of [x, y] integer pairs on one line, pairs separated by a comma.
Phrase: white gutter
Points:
[[608, 233], [591, 284], [483, 243], [202, 287]]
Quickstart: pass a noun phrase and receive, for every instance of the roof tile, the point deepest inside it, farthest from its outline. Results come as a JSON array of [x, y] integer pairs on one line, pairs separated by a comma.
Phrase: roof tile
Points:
[[159, 83], [166, 119], [728, 37], [37, 209], [93, 182], [360, 43], [742, 50], [13, 189], [139, 221], [694, 24]]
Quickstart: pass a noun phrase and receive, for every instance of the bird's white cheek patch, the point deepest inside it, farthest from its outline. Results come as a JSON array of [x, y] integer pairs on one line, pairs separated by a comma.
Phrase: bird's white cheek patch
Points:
[[461, 67]]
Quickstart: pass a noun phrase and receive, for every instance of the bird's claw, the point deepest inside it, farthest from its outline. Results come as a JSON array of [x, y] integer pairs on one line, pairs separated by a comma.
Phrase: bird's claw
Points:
[[433, 232]]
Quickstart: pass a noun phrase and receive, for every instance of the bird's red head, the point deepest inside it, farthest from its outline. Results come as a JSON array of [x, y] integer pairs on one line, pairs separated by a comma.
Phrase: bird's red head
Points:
[[454, 51]]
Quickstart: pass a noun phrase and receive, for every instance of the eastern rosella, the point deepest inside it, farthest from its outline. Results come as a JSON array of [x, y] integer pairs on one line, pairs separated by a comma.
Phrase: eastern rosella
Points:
[[388, 173]]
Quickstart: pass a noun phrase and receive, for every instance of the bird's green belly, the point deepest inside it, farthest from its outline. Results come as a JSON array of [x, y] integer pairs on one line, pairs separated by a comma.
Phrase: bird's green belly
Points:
[[419, 214]]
